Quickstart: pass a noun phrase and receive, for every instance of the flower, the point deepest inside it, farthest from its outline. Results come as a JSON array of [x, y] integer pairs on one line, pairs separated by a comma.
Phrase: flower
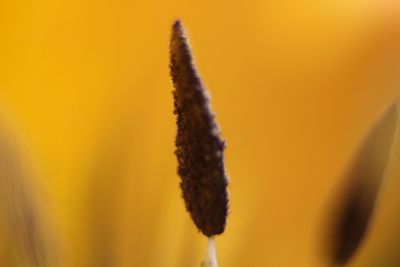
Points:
[[295, 85]]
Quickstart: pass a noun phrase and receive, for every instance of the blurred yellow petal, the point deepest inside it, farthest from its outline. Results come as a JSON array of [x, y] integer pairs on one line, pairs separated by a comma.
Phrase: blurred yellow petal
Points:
[[295, 84]]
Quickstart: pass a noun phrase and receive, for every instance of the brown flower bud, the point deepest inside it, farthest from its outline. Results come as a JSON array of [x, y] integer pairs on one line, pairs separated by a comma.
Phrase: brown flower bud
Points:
[[199, 148]]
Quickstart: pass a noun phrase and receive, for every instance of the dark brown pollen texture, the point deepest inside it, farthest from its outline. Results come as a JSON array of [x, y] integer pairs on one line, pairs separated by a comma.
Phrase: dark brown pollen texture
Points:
[[199, 148]]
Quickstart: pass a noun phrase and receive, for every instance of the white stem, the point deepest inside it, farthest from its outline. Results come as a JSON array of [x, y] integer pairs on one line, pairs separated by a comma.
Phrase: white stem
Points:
[[211, 256]]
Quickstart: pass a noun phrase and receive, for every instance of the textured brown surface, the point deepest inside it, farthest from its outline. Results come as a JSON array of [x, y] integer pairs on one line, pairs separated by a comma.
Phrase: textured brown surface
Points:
[[355, 208], [199, 148]]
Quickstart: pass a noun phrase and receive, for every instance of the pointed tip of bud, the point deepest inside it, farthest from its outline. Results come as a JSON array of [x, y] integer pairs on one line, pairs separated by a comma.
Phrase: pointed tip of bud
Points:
[[178, 32], [177, 25]]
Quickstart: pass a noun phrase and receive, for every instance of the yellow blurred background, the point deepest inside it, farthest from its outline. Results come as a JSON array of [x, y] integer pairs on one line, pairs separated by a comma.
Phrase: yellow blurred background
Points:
[[295, 84]]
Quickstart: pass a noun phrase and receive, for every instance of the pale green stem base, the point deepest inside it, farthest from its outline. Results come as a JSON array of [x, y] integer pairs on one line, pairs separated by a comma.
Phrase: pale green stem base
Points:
[[210, 259]]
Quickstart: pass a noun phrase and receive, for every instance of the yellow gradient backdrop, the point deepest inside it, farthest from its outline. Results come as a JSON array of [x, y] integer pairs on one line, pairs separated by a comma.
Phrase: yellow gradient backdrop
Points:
[[294, 84]]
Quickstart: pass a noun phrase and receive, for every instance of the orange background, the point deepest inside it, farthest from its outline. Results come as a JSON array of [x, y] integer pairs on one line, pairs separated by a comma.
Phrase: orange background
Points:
[[294, 84]]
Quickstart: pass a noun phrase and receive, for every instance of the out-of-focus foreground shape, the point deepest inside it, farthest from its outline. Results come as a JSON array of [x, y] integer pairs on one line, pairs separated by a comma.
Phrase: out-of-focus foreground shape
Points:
[[22, 240], [354, 206]]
